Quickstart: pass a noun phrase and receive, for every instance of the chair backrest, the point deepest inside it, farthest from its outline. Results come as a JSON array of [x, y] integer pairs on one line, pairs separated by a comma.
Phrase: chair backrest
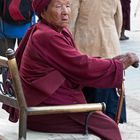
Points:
[[11, 88]]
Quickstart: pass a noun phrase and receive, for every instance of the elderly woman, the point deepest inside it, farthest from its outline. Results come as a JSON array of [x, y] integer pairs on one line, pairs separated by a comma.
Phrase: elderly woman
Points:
[[53, 72]]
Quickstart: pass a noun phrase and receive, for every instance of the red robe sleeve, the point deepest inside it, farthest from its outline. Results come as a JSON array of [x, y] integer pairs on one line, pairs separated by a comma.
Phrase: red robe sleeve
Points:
[[60, 52]]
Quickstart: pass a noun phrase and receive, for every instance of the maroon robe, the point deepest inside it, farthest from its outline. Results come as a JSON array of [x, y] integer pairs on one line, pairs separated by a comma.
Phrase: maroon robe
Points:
[[53, 72], [126, 14]]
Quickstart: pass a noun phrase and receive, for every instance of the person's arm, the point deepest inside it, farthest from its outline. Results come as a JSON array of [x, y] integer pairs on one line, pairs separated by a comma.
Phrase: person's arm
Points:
[[118, 17], [79, 68], [58, 51], [128, 59], [75, 5]]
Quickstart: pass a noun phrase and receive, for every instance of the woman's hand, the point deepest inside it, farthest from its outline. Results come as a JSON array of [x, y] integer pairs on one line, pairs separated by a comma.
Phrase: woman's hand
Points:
[[128, 59]]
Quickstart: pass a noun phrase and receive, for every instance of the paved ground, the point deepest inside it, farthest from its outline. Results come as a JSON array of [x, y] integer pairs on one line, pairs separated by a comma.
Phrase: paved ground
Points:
[[130, 130]]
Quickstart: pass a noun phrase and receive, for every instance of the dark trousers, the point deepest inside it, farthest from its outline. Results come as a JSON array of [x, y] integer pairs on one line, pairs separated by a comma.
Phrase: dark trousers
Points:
[[107, 95]]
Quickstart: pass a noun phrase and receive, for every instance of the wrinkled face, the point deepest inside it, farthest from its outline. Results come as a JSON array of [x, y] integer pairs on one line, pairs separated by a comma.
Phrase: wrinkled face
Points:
[[58, 13]]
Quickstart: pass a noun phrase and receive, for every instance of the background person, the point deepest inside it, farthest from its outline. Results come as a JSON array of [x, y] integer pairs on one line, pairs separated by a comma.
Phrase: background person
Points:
[[96, 27], [12, 29], [9, 33], [126, 18]]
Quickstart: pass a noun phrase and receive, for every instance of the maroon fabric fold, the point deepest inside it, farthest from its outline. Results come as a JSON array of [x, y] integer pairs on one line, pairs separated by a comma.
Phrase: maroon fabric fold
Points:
[[13, 112], [39, 5]]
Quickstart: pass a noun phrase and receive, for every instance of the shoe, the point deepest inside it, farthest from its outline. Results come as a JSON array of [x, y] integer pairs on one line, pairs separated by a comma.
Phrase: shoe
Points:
[[124, 37]]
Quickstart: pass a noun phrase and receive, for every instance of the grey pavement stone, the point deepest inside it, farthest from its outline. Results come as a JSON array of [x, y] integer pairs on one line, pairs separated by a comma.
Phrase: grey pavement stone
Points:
[[131, 130]]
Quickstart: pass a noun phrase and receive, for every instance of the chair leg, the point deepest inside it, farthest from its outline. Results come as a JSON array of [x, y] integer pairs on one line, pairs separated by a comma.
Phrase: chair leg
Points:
[[22, 124]]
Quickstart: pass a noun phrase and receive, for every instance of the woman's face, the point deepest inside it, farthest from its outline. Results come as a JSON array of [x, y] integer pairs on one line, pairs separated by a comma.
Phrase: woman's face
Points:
[[58, 13]]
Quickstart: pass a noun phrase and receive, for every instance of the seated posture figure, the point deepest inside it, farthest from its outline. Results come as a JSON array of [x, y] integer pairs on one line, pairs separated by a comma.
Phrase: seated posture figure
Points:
[[54, 72]]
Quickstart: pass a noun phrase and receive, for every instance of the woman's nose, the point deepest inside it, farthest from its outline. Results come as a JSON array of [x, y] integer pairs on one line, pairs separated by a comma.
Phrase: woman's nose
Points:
[[65, 9]]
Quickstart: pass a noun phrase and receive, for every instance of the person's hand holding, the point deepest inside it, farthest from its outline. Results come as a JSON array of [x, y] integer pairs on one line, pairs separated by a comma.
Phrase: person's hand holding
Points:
[[128, 59]]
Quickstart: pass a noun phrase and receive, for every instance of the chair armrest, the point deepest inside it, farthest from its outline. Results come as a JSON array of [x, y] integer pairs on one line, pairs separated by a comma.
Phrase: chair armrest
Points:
[[66, 109]]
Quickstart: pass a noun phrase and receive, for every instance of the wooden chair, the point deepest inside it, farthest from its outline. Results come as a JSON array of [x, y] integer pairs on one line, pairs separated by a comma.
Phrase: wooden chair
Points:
[[18, 101]]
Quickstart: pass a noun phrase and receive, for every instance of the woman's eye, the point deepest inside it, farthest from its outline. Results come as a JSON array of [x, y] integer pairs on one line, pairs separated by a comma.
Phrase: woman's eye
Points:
[[58, 6], [61, 6], [68, 5]]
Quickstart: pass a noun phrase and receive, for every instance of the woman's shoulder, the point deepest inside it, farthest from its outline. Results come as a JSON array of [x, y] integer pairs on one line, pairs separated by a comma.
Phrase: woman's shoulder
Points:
[[47, 31], [43, 33], [43, 29]]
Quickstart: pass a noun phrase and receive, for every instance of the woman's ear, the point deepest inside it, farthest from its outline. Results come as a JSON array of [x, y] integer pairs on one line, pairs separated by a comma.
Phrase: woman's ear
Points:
[[43, 14]]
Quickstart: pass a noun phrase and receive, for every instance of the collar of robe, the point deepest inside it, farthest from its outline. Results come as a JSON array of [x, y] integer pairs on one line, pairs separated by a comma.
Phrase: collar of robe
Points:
[[56, 28]]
